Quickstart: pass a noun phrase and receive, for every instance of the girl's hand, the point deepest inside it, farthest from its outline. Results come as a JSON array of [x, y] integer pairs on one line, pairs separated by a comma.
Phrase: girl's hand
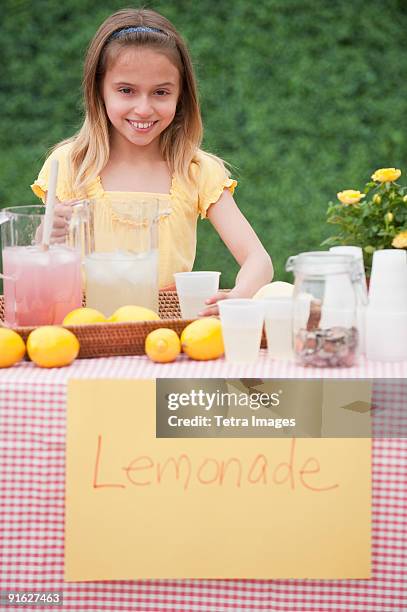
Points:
[[62, 217], [220, 295]]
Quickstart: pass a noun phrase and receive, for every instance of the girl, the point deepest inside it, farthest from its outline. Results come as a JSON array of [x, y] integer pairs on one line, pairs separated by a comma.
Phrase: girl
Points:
[[141, 136]]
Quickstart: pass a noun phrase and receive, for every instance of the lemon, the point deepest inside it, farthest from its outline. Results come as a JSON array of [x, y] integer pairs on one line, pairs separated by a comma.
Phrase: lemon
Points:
[[274, 289], [163, 345], [52, 347], [133, 313], [83, 316], [203, 339], [12, 347]]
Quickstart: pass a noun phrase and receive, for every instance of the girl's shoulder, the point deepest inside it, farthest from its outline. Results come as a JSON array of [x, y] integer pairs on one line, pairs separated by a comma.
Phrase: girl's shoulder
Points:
[[62, 154], [61, 151], [204, 162], [211, 177]]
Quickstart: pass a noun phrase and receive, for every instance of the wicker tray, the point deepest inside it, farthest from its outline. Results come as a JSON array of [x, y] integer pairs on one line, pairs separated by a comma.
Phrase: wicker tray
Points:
[[115, 339]]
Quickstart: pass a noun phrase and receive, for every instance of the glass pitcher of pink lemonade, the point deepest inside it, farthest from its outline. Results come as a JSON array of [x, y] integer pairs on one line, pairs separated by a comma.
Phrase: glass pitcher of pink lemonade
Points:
[[40, 285]]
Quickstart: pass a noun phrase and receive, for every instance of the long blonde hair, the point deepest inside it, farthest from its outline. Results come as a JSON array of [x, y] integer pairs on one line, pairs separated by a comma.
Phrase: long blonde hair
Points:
[[179, 142]]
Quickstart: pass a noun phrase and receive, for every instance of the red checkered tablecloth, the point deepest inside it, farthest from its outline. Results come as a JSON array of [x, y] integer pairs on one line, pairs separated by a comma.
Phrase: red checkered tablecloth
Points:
[[32, 473]]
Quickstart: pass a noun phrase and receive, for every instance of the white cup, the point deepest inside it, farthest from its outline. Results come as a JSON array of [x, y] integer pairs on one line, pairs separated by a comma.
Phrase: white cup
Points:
[[386, 335], [386, 256], [337, 317], [361, 289], [388, 281], [339, 292], [361, 325], [348, 250], [242, 326], [193, 289], [357, 253], [278, 318]]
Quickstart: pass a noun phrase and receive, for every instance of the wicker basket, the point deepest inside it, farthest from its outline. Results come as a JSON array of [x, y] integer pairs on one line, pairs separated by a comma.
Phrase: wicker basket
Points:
[[114, 339]]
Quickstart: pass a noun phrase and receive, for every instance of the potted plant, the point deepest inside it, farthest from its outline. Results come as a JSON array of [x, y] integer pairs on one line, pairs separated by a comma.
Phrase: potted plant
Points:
[[375, 218]]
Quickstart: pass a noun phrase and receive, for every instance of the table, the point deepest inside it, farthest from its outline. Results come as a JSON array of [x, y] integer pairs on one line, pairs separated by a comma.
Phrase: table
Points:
[[32, 472]]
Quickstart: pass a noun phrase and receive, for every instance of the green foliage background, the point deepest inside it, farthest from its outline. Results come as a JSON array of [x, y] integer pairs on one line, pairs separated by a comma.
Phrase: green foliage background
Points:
[[303, 98]]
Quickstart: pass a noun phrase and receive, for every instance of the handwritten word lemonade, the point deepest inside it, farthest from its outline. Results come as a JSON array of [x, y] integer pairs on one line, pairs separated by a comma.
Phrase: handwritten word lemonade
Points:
[[120, 278], [41, 286]]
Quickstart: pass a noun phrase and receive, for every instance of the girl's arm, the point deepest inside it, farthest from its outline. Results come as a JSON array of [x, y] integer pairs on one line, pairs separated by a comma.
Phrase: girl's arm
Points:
[[240, 238]]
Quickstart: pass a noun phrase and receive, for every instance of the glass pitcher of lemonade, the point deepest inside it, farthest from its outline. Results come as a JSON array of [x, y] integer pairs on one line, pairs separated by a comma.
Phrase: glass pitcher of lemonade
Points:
[[123, 268], [40, 285]]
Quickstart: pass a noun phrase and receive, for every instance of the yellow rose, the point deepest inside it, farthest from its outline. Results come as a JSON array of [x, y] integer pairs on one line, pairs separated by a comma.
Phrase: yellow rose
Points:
[[389, 217], [400, 241], [350, 196], [385, 175], [377, 199]]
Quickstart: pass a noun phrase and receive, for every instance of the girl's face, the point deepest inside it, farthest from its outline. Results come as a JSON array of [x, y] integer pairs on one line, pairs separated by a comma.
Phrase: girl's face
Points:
[[140, 91]]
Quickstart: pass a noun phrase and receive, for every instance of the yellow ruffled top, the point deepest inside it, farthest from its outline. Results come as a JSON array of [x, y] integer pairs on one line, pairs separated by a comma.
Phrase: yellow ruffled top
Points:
[[179, 210]]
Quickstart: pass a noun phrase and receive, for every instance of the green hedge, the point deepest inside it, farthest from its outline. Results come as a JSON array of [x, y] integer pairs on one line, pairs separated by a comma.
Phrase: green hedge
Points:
[[303, 98]]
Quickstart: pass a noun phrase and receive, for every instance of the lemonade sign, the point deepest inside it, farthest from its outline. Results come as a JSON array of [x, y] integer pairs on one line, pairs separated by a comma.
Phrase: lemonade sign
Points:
[[138, 506]]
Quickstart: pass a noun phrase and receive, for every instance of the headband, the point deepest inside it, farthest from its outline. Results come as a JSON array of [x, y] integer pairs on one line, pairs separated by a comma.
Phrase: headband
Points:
[[133, 29]]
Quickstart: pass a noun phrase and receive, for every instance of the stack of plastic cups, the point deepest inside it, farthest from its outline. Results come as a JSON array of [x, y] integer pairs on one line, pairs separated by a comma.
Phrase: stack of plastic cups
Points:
[[361, 291], [386, 315]]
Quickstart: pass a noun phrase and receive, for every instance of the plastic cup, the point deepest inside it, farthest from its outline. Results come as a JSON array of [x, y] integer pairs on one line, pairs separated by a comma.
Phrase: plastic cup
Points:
[[387, 256], [386, 335], [357, 253], [242, 326], [337, 317], [278, 314], [193, 289], [348, 250], [343, 289], [339, 292], [361, 325], [388, 282]]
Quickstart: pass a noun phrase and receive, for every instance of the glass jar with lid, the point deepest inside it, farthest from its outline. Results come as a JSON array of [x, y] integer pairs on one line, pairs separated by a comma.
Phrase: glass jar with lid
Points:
[[327, 291]]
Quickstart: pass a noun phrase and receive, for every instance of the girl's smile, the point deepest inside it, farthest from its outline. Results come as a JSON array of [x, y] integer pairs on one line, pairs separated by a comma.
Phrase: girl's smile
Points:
[[139, 125], [140, 91], [142, 126]]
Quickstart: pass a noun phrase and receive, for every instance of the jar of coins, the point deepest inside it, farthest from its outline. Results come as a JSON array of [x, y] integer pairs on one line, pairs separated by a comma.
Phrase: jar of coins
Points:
[[327, 290]]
